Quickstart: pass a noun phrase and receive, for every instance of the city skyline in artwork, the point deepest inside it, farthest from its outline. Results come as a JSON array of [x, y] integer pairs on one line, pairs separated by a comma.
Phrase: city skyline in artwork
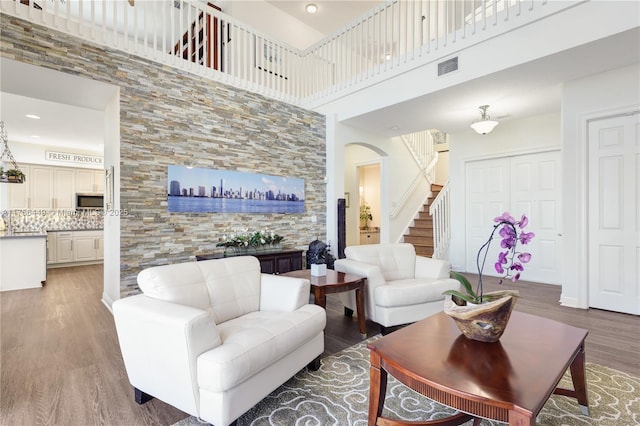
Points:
[[212, 190]]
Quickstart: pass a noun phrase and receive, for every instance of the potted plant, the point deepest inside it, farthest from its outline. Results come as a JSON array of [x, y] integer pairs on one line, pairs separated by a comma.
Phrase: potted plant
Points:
[[15, 175], [484, 316], [365, 215]]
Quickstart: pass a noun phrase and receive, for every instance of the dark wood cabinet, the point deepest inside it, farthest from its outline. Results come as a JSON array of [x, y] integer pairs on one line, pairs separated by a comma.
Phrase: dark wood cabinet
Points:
[[280, 262], [277, 262]]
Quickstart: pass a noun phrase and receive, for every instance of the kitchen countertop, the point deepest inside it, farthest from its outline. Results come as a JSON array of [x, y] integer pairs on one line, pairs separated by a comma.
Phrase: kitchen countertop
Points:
[[74, 230], [9, 234], [36, 234]]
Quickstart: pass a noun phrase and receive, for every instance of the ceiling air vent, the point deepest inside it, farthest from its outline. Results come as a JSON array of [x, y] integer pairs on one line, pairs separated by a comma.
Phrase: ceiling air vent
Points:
[[448, 66]]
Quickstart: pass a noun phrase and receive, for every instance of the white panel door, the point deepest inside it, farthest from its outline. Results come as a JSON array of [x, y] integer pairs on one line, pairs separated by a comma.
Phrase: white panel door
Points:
[[614, 214], [535, 190], [488, 195], [526, 184]]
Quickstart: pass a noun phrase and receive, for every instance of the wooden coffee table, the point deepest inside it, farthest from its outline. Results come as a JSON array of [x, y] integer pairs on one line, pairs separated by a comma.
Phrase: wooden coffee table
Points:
[[508, 381], [336, 282]]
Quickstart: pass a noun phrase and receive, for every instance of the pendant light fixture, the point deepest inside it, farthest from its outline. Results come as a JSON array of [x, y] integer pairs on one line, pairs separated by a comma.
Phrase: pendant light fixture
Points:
[[14, 174], [485, 124]]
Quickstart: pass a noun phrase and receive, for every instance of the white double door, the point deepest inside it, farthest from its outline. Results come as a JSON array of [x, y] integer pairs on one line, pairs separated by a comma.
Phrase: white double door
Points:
[[614, 213], [524, 184]]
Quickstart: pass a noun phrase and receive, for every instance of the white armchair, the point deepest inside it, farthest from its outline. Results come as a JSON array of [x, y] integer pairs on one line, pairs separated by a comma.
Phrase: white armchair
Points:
[[213, 338], [401, 287]]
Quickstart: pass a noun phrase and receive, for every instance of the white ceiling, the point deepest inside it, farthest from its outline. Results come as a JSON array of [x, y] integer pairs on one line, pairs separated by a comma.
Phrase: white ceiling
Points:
[[331, 16]]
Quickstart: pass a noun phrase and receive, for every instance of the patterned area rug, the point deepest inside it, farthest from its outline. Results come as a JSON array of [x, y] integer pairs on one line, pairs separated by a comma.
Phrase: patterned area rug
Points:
[[338, 394]]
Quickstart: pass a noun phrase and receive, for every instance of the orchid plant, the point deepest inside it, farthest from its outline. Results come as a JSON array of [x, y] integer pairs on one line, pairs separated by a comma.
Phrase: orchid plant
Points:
[[510, 262]]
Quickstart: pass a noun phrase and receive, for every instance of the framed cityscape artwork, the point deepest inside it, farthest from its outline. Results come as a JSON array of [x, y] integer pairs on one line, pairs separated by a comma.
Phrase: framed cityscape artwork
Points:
[[199, 190]]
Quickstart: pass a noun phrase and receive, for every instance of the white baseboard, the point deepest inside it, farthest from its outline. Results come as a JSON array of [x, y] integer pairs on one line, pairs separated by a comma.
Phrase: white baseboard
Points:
[[570, 302], [107, 301]]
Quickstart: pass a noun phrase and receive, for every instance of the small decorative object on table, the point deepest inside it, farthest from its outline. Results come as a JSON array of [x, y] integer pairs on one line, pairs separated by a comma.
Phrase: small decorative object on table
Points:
[[241, 241], [318, 257], [484, 316]]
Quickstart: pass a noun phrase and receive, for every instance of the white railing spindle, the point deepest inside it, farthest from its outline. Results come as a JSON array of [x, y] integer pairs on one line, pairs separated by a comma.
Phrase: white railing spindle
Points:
[[396, 36]]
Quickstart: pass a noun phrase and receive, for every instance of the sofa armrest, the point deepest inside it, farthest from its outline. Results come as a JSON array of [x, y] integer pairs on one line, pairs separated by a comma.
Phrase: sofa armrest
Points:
[[160, 343], [372, 272], [427, 267], [285, 294]]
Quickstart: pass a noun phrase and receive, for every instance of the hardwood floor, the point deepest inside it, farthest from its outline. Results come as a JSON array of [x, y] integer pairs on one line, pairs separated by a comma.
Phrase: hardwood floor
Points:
[[60, 360]]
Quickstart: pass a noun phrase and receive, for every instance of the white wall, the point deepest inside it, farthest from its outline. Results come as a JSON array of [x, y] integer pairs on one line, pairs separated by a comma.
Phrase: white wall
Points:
[[398, 171], [584, 99], [534, 134]]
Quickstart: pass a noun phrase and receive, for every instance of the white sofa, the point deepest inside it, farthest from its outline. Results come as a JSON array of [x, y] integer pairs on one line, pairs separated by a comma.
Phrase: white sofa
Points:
[[213, 338], [401, 287]]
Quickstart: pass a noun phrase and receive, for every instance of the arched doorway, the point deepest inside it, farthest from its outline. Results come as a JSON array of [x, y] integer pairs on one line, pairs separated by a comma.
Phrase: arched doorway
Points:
[[364, 183]]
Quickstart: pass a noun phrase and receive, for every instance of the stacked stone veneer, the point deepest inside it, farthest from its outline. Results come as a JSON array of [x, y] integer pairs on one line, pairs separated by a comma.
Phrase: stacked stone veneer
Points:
[[168, 116]]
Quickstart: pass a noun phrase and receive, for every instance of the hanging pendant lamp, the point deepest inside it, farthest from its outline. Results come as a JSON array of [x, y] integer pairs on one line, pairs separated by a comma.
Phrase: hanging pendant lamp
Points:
[[485, 124]]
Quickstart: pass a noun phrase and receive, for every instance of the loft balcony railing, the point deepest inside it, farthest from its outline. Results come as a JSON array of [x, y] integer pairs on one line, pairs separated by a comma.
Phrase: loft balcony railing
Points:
[[197, 37]]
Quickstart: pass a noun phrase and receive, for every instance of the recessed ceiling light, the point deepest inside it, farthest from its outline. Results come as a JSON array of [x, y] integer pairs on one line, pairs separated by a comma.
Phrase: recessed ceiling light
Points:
[[311, 8], [35, 117], [35, 136]]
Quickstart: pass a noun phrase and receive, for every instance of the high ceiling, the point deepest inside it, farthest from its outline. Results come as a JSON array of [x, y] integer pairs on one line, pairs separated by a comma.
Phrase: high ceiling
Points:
[[330, 17], [64, 124], [527, 90]]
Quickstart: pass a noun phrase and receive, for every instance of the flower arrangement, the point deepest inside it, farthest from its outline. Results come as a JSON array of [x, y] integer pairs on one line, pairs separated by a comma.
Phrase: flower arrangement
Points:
[[365, 215], [510, 261], [246, 238]]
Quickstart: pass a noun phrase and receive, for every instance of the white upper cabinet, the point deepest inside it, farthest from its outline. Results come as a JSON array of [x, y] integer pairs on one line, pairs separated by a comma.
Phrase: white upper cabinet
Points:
[[89, 180], [48, 187]]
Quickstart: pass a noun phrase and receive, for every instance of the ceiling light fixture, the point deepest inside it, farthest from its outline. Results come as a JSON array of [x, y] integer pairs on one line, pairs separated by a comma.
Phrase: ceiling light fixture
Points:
[[485, 124], [311, 8], [35, 117]]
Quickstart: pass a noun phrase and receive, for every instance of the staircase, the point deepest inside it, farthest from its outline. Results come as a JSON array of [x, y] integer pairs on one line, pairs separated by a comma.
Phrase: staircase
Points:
[[421, 233]]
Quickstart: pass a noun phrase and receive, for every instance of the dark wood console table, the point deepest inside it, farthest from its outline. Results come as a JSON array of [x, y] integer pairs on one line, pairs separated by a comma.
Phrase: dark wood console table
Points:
[[274, 262]]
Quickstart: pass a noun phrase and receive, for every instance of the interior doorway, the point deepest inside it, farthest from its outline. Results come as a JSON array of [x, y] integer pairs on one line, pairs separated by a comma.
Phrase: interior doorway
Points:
[[369, 203]]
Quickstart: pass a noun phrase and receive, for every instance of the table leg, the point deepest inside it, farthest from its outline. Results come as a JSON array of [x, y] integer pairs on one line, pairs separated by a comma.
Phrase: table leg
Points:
[[320, 297], [578, 377], [377, 388], [362, 320], [518, 418]]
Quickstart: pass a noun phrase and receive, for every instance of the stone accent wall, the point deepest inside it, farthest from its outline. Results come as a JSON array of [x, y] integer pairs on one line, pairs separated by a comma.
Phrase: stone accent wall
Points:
[[168, 116]]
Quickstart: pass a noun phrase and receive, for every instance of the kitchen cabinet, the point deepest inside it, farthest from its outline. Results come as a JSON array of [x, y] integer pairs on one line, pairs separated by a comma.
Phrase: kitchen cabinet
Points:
[[36, 192], [88, 246], [64, 188], [63, 247], [22, 261], [19, 192], [89, 181], [51, 247], [40, 187], [371, 236], [49, 187], [70, 247]]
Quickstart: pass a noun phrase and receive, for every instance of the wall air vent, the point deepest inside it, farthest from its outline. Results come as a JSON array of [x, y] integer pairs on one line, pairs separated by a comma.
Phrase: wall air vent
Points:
[[448, 66]]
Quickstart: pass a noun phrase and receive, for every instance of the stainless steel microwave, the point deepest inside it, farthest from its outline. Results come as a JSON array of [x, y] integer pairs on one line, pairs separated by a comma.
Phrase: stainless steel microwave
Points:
[[89, 201]]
